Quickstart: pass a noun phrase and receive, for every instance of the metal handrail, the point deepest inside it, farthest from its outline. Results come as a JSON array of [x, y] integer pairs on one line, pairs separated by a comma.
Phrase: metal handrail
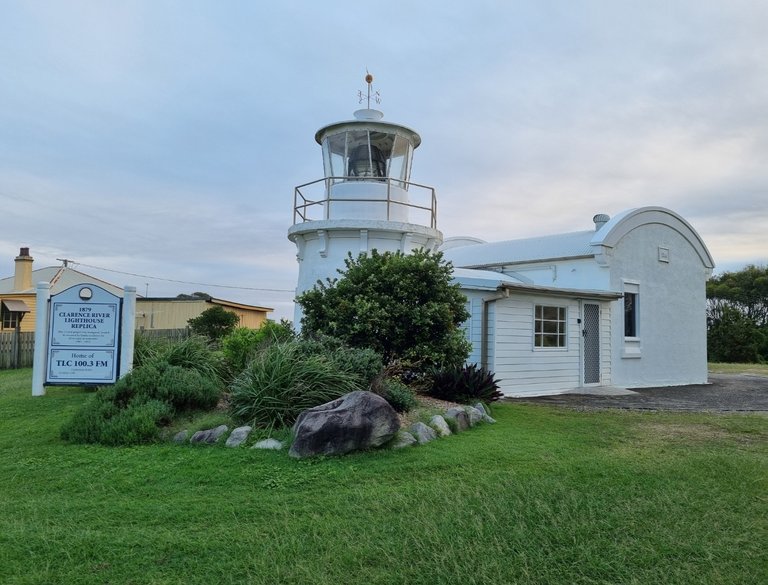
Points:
[[301, 208]]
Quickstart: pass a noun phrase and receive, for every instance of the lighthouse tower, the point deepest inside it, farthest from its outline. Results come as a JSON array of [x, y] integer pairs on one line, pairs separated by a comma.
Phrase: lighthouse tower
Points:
[[364, 202]]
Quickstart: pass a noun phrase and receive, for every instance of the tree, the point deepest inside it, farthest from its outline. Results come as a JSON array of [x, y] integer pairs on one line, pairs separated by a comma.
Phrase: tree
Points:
[[737, 315], [214, 323], [402, 306]]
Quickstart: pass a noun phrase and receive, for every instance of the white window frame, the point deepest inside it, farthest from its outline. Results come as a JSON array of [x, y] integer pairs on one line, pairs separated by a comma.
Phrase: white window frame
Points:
[[632, 347], [562, 329]]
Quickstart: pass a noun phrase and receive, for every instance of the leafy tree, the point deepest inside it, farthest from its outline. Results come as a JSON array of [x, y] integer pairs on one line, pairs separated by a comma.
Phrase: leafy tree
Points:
[[214, 323], [402, 306], [737, 315], [734, 338]]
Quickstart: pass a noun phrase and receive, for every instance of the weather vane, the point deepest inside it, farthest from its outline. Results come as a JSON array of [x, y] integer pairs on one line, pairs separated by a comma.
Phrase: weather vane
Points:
[[375, 95]]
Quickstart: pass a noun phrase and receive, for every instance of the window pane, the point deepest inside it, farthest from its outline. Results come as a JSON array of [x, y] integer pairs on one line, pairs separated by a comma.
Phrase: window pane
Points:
[[630, 314], [549, 326]]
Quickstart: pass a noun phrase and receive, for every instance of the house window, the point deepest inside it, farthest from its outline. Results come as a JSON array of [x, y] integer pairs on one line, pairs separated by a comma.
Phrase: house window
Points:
[[630, 314], [549, 327], [9, 318]]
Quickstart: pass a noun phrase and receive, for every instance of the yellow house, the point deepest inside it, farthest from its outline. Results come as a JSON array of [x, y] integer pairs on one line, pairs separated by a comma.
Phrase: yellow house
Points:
[[174, 313], [18, 299]]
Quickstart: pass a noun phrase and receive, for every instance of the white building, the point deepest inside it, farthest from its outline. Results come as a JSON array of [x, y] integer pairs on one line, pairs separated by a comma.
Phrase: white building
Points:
[[622, 304]]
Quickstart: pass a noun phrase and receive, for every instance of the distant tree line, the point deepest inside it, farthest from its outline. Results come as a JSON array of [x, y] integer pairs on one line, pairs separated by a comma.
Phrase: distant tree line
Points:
[[737, 316]]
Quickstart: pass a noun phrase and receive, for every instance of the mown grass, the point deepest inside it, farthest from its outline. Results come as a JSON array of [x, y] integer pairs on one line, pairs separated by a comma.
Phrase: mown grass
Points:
[[720, 368], [545, 496]]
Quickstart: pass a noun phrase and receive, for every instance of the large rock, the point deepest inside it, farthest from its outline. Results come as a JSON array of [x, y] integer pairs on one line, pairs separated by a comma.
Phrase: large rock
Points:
[[423, 433], [438, 423], [238, 436], [209, 436], [358, 420], [403, 439], [475, 415], [459, 416]]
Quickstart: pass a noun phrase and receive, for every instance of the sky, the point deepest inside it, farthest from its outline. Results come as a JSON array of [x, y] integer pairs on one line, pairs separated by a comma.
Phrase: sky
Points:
[[157, 143]]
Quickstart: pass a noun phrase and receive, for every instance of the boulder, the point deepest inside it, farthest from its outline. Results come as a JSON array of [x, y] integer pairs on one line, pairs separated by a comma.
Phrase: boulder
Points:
[[488, 418], [358, 420], [438, 423], [423, 433], [238, 436], [268, 444], [181, 437], [403, 439], [475, 416], [482, 408], [209, 436], [459, 416]]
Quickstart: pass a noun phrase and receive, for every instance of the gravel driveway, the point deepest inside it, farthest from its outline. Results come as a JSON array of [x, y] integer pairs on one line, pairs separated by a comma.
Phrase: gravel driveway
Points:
[[724, 393]]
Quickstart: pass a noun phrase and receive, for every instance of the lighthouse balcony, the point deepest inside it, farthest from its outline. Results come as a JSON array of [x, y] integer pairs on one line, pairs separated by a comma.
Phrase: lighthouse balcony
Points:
[[364, 198]]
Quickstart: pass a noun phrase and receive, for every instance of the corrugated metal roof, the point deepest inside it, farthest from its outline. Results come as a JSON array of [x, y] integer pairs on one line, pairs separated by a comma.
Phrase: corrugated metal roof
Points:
[[556, 247], [60, 279]]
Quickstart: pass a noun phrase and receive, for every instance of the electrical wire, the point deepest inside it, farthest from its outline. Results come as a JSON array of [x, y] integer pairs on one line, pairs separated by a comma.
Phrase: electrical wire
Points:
[[281, 290]]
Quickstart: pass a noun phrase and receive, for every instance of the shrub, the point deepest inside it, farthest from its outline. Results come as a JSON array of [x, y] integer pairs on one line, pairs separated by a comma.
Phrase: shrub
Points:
[[193, 353], [284, 379], [240, 345], [214, 323], [464, 384], [365, 363], [399, 396], [132, 410]]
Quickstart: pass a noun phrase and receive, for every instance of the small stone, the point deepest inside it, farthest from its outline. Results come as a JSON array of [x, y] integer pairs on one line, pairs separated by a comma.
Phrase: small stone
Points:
[[403, 439], [238, 436], [489, 419], [459, 416], [181, 437], [438, 423], [272, 444], [475, 416], [423, 433], [209, 436]]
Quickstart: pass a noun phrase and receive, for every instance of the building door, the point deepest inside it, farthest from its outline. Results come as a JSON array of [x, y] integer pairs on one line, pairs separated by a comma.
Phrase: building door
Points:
[[591, 346]]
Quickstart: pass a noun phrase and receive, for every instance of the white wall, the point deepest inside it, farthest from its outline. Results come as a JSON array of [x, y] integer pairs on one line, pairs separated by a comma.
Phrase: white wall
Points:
[[672, 343]]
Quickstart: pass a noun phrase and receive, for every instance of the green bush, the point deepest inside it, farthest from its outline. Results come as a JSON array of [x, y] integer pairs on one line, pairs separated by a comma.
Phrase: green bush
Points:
[[464, 384], [284, 379], [133, 409], [240, 345], [365, 363], [193, 353], [214, 323], [399, 396]]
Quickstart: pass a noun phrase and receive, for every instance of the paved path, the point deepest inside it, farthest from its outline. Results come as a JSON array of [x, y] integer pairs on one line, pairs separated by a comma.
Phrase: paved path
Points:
[[724, 393]]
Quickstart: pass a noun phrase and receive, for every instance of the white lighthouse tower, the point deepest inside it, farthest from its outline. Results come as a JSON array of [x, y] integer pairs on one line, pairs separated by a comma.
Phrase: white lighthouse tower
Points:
[[364, 202]]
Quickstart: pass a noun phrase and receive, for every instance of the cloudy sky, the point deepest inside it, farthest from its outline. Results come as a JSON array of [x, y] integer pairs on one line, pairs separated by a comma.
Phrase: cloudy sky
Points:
[[164, 138]]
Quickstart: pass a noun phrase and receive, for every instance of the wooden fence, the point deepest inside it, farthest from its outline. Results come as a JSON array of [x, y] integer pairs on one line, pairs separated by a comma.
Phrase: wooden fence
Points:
[[18, 350]]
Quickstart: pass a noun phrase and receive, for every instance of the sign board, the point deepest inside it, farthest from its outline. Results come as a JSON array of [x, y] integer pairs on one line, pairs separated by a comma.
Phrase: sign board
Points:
[[84, 333]]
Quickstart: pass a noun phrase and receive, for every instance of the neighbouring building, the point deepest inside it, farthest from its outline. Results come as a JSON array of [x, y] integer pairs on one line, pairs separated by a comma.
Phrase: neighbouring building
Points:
[[174, 313], [621, 304], [18, 299]]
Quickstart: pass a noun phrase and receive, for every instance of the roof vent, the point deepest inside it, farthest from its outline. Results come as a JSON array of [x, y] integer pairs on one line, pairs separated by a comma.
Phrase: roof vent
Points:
[[600, 220]]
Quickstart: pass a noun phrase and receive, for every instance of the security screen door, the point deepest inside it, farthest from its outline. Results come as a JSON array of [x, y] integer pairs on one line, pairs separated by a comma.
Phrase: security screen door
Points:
[[591, 333]]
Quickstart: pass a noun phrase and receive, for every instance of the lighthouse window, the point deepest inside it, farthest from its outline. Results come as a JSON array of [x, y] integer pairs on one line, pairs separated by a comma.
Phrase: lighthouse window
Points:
[[335, 156], [398, 164]]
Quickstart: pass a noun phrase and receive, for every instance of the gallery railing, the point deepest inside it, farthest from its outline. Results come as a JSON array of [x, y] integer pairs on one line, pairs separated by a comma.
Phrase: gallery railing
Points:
[[309, 207]]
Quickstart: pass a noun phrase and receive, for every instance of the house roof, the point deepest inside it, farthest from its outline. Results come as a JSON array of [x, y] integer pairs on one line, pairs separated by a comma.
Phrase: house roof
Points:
[[60, 278], [584, 244], [212, 300], [555, 247], [473, 279]]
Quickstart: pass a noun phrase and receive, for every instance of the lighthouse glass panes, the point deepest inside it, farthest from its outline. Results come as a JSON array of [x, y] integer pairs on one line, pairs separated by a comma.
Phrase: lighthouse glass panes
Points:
[[367, 155]]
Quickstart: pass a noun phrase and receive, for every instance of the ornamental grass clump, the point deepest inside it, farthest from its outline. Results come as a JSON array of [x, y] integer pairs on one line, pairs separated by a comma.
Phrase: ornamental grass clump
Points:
[[287, 378], [465, 384]]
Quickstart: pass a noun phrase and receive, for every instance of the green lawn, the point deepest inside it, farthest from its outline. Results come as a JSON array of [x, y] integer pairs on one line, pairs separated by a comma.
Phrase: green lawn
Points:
[[545, 496], [718, 368]]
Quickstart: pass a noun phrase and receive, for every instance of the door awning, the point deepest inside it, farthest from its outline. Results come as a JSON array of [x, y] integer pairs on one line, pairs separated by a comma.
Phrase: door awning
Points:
[[16, 306]]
